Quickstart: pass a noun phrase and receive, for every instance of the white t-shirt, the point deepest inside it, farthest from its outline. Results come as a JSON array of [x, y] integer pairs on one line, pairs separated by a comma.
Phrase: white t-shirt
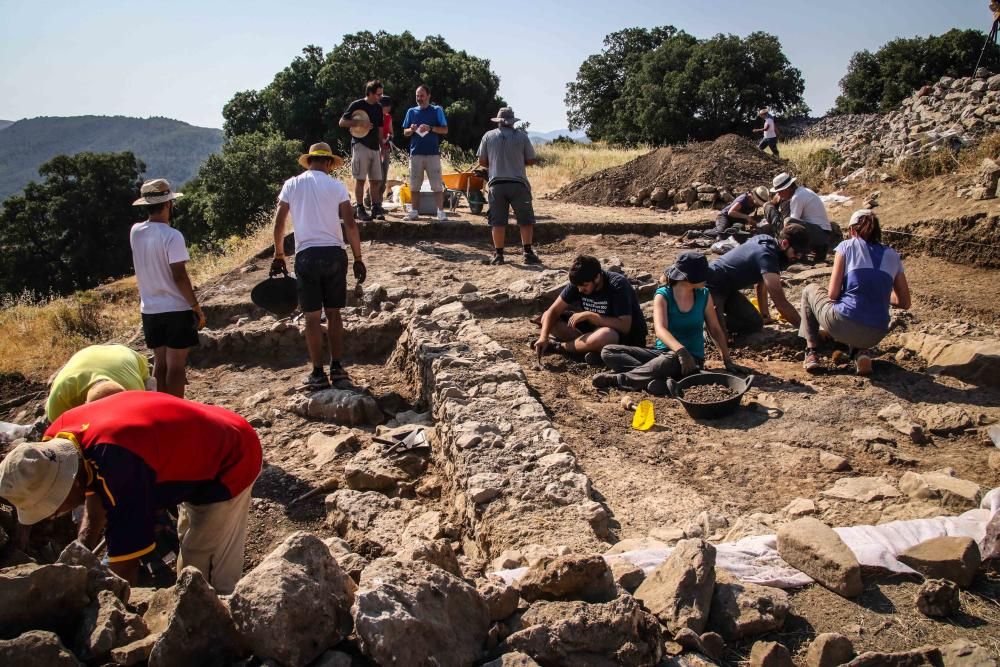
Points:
[[155, 246], [769, 132], [806, 205], [314, 199]]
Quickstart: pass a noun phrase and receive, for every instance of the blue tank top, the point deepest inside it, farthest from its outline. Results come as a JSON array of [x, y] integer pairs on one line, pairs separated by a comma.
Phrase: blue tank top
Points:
[[687, 327]]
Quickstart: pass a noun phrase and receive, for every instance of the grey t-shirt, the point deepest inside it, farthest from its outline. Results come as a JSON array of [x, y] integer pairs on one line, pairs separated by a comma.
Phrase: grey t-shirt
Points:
[[506, 149]]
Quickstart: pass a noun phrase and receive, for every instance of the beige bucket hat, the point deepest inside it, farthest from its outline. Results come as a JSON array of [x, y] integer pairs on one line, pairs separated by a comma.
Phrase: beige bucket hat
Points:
[[320, 150], [156, 191], [36, 478], [505, 117], [782, 181], [761, 194]]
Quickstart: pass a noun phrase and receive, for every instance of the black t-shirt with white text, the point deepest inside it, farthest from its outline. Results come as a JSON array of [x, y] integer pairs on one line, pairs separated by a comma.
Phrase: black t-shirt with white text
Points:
[[617, 297]]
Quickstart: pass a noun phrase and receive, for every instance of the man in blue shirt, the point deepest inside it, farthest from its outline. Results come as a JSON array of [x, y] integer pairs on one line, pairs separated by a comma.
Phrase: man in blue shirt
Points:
[[425, 124], [758, 262]]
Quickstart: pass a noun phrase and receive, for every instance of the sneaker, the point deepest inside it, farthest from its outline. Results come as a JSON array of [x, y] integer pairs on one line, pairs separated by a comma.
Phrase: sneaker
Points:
[[316, 380], [863, 362], [442, 216], [657, 387], [593, 359], [361, 214], [337, 372], [378, 213], [604, 380], [412, 215], [811, 363], [497, 260], [531, 258]]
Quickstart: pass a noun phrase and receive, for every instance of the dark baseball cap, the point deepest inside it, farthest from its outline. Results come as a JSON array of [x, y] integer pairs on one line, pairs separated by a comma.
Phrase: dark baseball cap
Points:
[[690, 266]]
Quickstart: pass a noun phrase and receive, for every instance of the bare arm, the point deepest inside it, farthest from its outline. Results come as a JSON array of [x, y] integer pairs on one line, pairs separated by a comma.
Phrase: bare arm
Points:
[[661, 322], [280, 217], [621, 323], [183, 282], [900, 296], [484, 161], [762, 303], [92, 522], [836, 278], [715, 330], [773, 285], [734, 212], [550, 317], [440, 129], [351, 230]]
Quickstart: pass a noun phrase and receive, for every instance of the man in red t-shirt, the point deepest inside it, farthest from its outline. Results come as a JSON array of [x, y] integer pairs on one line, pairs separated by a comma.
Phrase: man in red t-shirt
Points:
[[131, 454]]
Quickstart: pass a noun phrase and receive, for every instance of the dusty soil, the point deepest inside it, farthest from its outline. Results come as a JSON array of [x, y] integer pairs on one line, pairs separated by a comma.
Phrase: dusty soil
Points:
[[728, 162], [708, 393]]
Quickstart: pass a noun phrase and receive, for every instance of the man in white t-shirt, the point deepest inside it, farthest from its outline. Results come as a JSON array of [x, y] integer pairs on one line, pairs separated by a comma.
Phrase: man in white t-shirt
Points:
[[321, 213], [171, 316], [807, 209], [770, 139]]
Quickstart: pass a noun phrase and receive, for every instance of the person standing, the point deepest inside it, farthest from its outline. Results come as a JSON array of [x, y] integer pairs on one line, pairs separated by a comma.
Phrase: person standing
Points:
[[425, 124], [366, 158], [171, 315], [770, 138], [505, 152], [386, 147], [321, 212], [804, 208], [93, 373]]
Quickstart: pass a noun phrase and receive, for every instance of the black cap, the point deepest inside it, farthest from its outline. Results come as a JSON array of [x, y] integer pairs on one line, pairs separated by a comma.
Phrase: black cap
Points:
[[690, 266], [386, 101]]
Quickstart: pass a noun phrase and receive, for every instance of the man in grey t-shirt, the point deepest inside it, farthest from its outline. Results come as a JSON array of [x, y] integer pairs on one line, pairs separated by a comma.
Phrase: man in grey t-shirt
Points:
[[506, 152]]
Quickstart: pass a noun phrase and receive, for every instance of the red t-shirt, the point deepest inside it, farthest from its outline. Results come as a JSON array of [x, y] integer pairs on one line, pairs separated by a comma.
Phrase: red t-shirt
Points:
[[147, 450], [386, 128]]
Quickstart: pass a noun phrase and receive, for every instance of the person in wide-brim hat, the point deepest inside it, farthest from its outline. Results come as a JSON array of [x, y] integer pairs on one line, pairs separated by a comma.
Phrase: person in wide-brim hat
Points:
[[505, 117], [156, 191], [782, 181], [321, 150]]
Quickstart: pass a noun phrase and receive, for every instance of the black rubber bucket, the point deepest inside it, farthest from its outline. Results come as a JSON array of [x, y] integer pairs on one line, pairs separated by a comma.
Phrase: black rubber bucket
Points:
[[277, 296], [710, 410]]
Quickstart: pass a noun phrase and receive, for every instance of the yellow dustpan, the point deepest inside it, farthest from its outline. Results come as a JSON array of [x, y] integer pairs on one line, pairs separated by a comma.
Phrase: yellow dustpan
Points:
[[644, 418]]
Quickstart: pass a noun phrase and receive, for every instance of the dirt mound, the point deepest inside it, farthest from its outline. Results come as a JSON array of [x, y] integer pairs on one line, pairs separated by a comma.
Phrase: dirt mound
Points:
[[730, 163], [972, 240]]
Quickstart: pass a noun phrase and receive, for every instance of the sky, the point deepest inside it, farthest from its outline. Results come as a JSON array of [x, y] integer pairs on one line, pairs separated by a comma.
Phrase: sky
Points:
[[185, 59]]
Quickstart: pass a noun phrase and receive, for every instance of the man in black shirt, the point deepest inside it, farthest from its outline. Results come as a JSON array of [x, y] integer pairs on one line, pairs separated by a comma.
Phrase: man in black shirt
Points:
[[610, 312], [366, 159]]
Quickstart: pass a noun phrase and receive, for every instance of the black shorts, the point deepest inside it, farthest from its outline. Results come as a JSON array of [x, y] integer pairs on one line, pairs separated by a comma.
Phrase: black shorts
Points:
[[507, 195], [321, 276], [177, 330]]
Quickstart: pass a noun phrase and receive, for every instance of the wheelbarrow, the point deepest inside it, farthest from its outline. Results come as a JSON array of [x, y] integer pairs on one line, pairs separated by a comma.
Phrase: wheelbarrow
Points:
[[466, 184]]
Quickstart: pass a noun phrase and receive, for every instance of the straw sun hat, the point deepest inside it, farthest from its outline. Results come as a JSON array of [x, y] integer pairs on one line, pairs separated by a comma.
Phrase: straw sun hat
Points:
[[320, 150]]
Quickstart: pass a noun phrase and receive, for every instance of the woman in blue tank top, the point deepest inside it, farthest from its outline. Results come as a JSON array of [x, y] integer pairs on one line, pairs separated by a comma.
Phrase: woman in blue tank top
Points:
[[682, 308], [867, 278]]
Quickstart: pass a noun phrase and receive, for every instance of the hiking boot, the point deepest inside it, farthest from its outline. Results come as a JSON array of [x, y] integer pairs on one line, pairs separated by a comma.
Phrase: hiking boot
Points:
[[361, 214], [811, 362], [316, 380], [378, 213], [657, 387], [412, 215], [497, 260], [604, 380], [531, 258], [337, 372], [593, 359], [442, 216], [863, 362]]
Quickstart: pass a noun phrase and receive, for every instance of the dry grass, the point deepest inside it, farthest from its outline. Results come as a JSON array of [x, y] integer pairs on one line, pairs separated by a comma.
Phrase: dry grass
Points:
[[799, 150], [562, 164]]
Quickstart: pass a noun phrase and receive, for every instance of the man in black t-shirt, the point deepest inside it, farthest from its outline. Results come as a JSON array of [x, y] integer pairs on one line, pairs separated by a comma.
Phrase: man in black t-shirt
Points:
[[610, 312], [366, 159]]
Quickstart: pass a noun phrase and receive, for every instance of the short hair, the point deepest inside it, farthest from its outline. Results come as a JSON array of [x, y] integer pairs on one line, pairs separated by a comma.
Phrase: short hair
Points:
[[427, 89], [585, 269], [153, 209], [103, 389], [373, 86], [796, 235]]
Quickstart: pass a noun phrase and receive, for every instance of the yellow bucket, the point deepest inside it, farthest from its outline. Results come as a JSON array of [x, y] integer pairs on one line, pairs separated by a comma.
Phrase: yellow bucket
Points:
[[404, 194]]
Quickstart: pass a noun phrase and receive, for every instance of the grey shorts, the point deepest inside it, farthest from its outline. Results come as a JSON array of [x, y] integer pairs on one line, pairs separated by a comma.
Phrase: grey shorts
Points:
[[366, 163], [425, 164], [510, 195]]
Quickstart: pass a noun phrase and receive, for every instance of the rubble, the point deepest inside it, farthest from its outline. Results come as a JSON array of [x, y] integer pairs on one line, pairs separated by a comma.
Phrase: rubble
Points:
[[99, 577], [36, 648], [40, 596], [942, 487], [971, 360], [924, 655], [742, 609], [861, 489], [106, 624], [679, 591]]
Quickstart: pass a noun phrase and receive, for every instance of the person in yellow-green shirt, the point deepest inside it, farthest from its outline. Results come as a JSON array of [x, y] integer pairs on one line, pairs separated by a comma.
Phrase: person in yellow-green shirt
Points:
[[93, 373]]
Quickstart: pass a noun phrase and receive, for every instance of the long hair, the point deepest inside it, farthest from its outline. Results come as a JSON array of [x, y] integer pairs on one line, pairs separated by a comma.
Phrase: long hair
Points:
[[869, 229]]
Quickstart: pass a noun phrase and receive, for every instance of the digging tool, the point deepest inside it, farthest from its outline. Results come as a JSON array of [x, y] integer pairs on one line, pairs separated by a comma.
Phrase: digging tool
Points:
[[329, 484], [644, 417], [400, 444]]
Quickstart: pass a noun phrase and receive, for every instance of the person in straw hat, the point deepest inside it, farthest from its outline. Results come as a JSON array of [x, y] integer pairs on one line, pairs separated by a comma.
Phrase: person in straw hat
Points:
[[171, 315], [741, 210], [321, 209], [505, 152], [804, 208], [770, 131], [109, 456], [95, 372]]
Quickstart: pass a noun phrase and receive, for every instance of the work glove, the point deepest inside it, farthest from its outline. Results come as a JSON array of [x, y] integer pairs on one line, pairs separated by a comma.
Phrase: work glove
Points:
[[278, 266], [360, 271], [688, 365], [734, 367]]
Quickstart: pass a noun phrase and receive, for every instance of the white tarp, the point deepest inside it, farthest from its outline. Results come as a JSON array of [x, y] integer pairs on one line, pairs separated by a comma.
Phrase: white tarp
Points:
[[755, 559]]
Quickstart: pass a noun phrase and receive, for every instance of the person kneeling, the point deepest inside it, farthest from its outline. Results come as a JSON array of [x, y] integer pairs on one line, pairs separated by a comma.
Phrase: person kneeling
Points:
[[682, 307]]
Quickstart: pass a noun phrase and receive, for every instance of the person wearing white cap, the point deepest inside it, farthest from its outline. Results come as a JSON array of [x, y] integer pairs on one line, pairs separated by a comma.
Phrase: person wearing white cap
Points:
[[867, 278], [807, 209], [770, 139], [171, 315]]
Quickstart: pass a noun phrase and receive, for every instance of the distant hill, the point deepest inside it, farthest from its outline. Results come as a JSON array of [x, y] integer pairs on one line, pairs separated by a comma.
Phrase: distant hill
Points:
[[170, 148], [546, 137], [5, 123]]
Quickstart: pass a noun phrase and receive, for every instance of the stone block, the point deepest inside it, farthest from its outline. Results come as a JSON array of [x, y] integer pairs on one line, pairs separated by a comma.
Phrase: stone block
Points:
[[953, 558], [829, 649], [679, 591], [813, 547]]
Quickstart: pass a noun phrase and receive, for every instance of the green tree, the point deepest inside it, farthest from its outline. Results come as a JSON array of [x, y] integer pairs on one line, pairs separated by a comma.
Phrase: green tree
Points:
[[236, 188], [305, 100], [878, 82], [666, 86], [70, 231]]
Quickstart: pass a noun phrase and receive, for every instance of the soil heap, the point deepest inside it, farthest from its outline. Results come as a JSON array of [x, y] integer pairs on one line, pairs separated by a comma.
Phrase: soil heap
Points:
[[700, 174]]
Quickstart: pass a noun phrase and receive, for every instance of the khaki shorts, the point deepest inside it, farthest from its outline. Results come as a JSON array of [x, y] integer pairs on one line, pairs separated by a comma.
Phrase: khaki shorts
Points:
[[429, 164], [212, 539], [366, 163]]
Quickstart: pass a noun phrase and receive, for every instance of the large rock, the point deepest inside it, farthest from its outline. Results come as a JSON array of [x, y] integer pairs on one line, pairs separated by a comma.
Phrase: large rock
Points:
[[929, 656], [370, 471], [861, 489], [897, 417], [192, 624], [741, 609], [974, 361], [942, 487], [945, 419], [370, 521], [106, 624], [435, 552], [829, 650], [572, 577], [500, 598], [40, 596], [938, 598], [616, 633], [813, 547], [679, 591], [326, 447], [963, 653], [134, 653], [341, 406], [413, 613], [953, 558], [295, 604], [512, 659], [36, 648], [99, 577], [770, 654]]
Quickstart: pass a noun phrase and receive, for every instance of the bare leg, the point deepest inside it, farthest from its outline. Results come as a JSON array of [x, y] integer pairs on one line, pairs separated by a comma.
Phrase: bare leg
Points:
[[593, 341], [439, 200], [176, 371], [314, 339], [359, 192], [335, 333], [160, 368], [499, 236], [527, 234]]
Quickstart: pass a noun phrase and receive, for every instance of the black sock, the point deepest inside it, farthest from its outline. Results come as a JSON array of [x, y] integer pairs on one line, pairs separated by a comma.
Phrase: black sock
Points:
[[527, 248], [334, 364], [317, 370], [498, 251]]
